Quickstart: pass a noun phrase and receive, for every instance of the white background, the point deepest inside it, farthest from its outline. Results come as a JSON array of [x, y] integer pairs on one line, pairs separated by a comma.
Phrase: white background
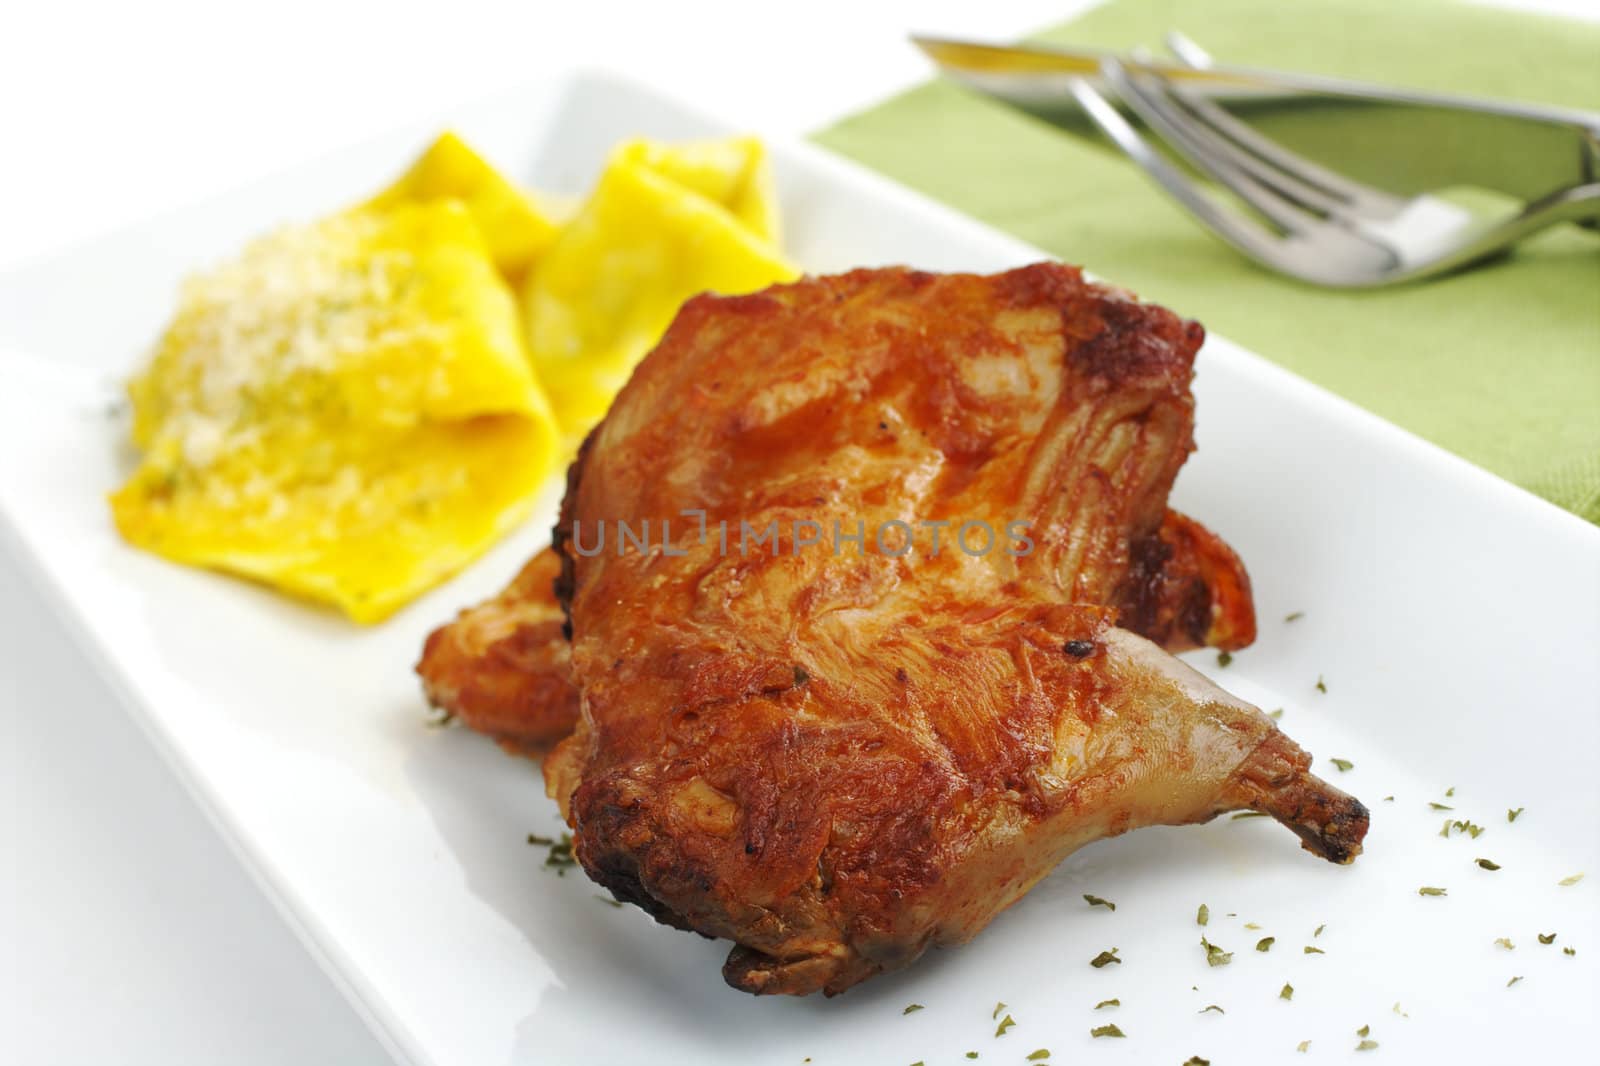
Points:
[[128, 934]]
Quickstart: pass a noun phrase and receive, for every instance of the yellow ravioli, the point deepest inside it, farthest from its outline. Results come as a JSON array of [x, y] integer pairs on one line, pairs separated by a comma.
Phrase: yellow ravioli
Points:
[[514, 225], [664, 223], [345, 411]]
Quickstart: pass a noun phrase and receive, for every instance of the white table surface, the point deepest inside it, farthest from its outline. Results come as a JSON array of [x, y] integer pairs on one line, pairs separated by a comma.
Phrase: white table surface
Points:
[[128, 932]]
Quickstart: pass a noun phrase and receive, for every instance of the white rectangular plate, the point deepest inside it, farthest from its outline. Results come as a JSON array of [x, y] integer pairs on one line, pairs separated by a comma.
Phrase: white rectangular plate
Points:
[[1453, 618]]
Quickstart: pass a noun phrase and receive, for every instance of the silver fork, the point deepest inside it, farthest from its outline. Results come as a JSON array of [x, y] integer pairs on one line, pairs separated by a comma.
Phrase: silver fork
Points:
[[1322, 227]]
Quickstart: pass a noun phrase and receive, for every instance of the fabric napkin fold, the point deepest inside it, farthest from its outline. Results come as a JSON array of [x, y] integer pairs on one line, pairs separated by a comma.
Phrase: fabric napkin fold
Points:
[[1500, 365]]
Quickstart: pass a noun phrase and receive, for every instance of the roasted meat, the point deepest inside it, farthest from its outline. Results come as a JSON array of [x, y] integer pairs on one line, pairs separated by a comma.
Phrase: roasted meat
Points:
[[502, 667], [805, 727]]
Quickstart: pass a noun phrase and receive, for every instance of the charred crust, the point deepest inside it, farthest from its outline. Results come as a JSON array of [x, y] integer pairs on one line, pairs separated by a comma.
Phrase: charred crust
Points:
[[566, 582]]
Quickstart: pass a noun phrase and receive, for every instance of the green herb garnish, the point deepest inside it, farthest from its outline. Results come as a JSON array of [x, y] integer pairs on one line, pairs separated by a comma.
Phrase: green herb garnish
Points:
[[1569, 951], [1451, 791], [1104, 958], [1294, 616], [1211, 1008], [1224, 658], [1265, 943], [1397, 1010], [1318, 930], [912, 1009], [1096, 901], [1511, 815], [1196, 1060], [1286, 992], [1440, 806], [1106, 1030], [1215, 956], [1487, 864], [1251, 925], [1309, 950], [1365, 1030], [1547, 938], [609, 902], [1040, 1055], [1250, 814], [1276, 714], [1322, 686], [1568, 882], [1108, 1003], [559, 856], [1343, 765], [1367, 1045], [998, 1007], [1429, 890], [1513, 981], [1005, 1023], [1469, 828], [539, 841], [1303, 1046], [1203, 915], [1505, 942]]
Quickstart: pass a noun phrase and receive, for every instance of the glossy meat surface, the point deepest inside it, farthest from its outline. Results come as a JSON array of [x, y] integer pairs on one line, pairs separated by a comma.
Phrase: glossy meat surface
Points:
[[838, 760], [503, 667], [838, 757]]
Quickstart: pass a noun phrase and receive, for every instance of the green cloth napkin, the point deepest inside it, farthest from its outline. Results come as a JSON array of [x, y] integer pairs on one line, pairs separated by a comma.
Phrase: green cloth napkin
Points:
[[1500, 365]]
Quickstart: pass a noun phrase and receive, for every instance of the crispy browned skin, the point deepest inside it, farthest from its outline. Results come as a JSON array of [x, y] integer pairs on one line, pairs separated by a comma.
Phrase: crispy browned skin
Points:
[[840, 760], [503, 667]]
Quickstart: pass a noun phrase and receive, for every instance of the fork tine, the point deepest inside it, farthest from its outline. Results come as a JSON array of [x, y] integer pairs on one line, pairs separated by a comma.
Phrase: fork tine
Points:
[[1238, 231], [1162, 116], [1363, 199]]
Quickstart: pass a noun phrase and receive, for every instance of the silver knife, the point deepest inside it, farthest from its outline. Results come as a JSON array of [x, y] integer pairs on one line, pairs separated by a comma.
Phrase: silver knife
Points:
[[1407, 141]]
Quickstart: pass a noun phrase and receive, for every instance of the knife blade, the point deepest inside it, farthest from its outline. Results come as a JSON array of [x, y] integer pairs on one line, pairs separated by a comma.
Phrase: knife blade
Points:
[[1406, 141]]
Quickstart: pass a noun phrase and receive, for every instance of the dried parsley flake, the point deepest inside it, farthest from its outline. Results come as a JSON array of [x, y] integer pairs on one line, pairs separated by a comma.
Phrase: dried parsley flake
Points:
[[912, 1009], [1343, 765], [1104, 958], [1286, 992], [1005, 1023], [1487, 864], [1265, 943], [1106, 1030], [1203, 915], [1430, 890], [1096, 901], [1215, 956]]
